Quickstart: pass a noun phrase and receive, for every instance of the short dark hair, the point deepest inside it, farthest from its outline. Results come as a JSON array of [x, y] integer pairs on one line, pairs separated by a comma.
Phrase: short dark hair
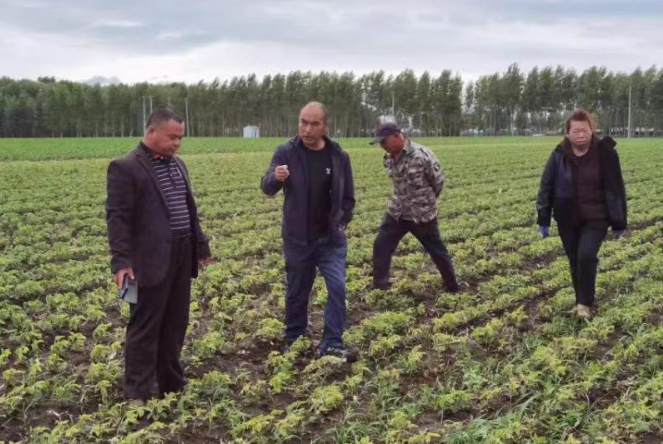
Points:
[[579, 115], [163, 114]]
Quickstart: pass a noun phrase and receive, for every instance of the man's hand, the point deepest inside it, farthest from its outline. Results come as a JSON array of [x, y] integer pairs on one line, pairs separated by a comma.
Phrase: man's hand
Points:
[[544, 231], [204, 262], [118, 277], [281, 173]]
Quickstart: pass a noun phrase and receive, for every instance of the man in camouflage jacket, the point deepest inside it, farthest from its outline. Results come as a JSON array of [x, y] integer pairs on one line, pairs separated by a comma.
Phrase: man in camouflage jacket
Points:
[[418, 180]]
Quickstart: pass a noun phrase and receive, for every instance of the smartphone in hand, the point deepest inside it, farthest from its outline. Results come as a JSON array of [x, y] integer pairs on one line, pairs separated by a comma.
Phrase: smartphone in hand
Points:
[[129, 291]]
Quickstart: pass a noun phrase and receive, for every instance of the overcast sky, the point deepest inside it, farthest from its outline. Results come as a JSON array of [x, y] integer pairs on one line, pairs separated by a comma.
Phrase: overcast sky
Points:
[[145, 40]]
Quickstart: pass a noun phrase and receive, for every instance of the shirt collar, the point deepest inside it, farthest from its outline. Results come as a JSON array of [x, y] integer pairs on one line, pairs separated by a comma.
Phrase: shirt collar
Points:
[[299, 143], [407, 149], [152, 155]]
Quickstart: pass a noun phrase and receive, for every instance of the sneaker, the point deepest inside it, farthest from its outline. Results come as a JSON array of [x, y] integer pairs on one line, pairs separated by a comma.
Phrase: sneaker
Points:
[[340, 352], [584, 312]]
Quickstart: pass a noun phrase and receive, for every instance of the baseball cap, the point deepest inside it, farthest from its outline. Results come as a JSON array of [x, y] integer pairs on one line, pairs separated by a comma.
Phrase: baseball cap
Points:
[[385, 130]]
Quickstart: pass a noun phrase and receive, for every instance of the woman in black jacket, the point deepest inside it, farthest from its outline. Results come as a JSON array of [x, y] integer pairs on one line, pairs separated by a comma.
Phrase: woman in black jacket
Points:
[[583, 189]]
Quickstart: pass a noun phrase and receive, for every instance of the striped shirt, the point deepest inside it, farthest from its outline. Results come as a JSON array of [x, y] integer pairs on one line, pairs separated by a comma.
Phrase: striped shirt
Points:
[[171, 181]]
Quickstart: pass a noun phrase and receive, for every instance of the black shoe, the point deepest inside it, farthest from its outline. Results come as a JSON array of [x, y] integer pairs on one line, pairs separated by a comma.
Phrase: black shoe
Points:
[[286, 347], [384, 285], [453, 288], [340, 352]]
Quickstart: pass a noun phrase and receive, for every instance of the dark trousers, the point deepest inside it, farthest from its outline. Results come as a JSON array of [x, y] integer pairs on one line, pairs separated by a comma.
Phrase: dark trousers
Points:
[[391, 232], [582, 244], [300, 265], [156, 329]]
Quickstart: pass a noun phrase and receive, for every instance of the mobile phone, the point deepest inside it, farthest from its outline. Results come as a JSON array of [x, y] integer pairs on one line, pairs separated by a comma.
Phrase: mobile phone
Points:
[[129, 291]]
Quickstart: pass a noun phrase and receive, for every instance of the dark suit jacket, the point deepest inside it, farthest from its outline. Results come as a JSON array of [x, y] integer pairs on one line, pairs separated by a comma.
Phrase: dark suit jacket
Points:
[[139, 221]]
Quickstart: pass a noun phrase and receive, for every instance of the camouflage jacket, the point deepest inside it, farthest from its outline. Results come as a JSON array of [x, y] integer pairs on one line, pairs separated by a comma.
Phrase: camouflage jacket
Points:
[[418, 181]]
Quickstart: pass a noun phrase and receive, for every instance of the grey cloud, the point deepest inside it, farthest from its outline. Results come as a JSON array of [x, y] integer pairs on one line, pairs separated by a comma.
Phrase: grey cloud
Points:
[[471, 35], [134, 25]]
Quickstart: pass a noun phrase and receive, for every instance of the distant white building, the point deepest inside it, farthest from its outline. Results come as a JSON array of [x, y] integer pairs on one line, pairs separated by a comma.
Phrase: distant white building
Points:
[[386, 118], [390, 118], [251, 131]]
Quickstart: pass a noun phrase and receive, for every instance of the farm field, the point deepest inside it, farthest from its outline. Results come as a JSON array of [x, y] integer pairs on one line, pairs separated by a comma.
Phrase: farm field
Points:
[[501, 362], [106, 148]]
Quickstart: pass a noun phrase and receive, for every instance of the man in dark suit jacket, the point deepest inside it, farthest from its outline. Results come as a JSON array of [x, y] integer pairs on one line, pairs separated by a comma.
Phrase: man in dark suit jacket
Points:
[[155, 238]]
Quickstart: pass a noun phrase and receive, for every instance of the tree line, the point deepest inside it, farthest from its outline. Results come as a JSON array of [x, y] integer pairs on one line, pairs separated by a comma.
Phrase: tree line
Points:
[[511, 102]]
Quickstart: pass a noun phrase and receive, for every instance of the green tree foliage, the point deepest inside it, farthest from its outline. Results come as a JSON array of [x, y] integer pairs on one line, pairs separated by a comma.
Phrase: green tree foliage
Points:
[[539, 101], [429, 104]]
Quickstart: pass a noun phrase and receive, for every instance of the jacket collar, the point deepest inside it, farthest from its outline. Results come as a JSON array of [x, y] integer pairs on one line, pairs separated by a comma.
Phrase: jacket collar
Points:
[[152, 155], [608, 142], [298, 143], [144, 161], [407, 150], [596, 143], [603, 142]]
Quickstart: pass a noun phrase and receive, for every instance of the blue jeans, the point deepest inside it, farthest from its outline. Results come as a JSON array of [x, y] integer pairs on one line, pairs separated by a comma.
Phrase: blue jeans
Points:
[[300, 265]]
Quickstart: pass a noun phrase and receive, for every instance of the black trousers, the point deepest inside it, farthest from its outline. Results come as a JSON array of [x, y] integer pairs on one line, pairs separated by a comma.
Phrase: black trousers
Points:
[[156, 329], [582, 244], [391, 232]]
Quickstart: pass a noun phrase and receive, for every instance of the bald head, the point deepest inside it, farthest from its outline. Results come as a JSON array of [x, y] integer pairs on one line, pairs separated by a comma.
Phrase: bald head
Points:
[[313, 125], [316, 106]]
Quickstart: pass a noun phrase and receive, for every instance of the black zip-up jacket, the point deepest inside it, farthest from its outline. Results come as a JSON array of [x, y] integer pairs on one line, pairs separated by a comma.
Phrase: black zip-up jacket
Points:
[[296, 188], [556, 193]]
